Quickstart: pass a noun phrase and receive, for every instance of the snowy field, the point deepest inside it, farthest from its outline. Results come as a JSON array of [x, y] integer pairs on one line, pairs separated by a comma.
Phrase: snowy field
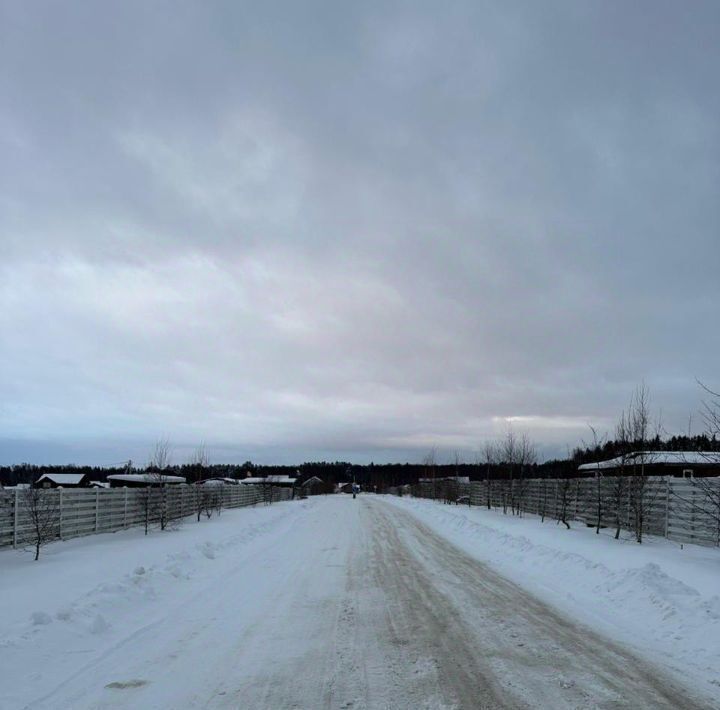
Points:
[[335, 603]]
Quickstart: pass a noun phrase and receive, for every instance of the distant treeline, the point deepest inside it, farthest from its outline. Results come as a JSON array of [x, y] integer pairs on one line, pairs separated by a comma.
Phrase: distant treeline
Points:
[[370, 475], [374, 475]]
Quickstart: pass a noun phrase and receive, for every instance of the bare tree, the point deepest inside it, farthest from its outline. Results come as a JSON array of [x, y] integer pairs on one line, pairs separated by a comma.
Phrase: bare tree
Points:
[[202, 495], [705, 501], [526, 456], [203, 500], [160, 456], [711, 488], [154, 498], [151, 501], [599, 489], [218, 498], [490, 458], [42, 508], [517, 454], [198, 464], [169, 513], [506, 450], [617, 491], [6, 507], [639, 423], [430, 470], [543, 498], [268, 490], [449, 489], [562, 504], [711, 412]]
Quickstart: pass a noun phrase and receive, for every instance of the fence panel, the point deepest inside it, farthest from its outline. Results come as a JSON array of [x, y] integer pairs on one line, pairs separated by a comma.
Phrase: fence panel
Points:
[[684, 510], [86, 511]]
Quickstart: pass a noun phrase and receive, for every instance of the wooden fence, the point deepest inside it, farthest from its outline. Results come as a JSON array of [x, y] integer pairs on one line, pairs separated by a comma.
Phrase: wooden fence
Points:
[[682, 509], [72, 512]]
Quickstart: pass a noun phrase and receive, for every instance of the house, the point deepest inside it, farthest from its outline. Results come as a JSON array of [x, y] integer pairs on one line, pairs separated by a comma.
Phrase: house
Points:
[[140, 480], [437, 479], [218, 481], [287, 481], [312, 483], [658, 463], [66, 480], [344, 487]]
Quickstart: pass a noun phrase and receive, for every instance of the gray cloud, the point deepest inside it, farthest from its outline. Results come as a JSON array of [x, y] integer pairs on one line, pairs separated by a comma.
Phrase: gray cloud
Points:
[[309, 230]]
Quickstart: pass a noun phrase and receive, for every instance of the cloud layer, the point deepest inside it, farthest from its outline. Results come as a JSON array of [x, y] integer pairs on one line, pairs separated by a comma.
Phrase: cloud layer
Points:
[[319, 230]]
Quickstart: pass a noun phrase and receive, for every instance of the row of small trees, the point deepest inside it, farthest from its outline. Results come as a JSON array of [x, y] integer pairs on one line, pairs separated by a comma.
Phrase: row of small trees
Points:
[[624, 499], [629, 489]]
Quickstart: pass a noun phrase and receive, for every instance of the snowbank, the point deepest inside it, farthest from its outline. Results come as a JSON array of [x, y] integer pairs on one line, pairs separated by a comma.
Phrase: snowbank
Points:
[[86, 595], [656, 597]]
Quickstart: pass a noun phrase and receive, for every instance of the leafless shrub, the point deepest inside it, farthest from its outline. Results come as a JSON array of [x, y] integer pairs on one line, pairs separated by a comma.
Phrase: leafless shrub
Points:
[[160, 457], [147, 502], [490, 459], [430, 471], [517, 453], [218, 498], [562, 504], [154, 498], [42, 508], [599, 499], [705, 503], [706, 499], [526, 456], [641, 495], [202, 499], [711, 412], [268, 491], [202, 495], [198, 463], [543, 498]]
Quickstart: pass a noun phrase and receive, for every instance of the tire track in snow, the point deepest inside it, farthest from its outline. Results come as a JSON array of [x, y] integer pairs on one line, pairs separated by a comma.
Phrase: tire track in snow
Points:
[[495, 645]]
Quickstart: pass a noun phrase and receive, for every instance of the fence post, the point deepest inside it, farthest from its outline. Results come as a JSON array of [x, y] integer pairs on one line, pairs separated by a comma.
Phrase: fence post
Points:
[[125, 511], [15, 518], [97, 508], [60, 489], [630, 492], [667, 506]]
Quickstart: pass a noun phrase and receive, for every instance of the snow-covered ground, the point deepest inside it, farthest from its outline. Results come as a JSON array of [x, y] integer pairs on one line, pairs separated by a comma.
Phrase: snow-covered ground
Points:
[[90, 597], [659, 597], [341, 603]]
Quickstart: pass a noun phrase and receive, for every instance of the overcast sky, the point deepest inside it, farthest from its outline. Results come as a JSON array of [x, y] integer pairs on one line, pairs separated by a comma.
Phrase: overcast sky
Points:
[[352, 230]]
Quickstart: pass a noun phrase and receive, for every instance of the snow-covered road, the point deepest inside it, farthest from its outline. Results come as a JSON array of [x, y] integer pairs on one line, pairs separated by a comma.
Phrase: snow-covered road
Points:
[[328, 603]]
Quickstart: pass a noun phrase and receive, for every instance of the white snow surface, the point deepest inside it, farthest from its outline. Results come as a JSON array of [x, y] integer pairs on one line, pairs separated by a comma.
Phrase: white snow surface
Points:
[[62, 479], [172, 620], [660, 599], [689, 458], [87, 598]]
